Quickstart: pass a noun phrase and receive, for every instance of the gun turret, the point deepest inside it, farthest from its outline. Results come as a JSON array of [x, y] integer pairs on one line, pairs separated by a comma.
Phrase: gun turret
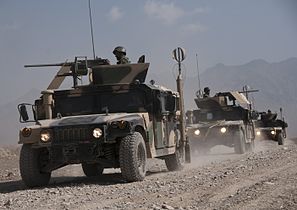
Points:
[[77, 68], [47, 65], [86, 62]]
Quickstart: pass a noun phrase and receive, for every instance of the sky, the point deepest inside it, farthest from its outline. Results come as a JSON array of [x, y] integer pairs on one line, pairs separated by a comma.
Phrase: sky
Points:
[[232, 32]]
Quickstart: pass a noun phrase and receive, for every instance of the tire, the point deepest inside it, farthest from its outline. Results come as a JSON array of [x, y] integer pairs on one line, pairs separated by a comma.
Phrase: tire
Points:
[[250, 146], [174, 162], [187, 152], [93, 169], [280, 138], [31, 161], [197, 149], [133, 157], [239, 144]]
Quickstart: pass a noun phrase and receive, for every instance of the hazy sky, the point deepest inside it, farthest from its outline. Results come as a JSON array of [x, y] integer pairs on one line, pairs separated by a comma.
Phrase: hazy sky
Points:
[[229, 32]]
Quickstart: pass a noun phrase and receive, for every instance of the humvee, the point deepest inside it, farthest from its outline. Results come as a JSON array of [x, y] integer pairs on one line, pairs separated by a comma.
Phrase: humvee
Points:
[[114, 121], [224, 119], [268, 127]]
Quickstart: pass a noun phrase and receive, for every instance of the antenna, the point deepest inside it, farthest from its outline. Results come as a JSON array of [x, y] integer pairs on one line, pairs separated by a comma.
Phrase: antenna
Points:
[[91, 24], [199, 92], [198, 72]]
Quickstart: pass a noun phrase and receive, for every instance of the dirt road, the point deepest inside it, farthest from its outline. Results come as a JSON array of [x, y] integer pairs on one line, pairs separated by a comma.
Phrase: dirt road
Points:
[[265, 179]]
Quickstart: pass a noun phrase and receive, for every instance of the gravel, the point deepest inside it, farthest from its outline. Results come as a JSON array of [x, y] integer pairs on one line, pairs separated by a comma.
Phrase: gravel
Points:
[[265, 179]]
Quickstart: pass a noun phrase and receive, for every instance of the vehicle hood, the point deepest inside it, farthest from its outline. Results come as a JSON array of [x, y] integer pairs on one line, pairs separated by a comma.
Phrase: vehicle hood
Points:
[[89, 119], [215, 124]]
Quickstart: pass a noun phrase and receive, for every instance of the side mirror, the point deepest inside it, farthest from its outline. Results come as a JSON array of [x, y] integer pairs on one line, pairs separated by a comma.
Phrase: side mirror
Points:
[[24, 115], [23, 112]]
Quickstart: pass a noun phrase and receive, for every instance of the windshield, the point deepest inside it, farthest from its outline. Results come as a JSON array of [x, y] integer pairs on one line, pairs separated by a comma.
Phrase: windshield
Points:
[[225, 113], [99, 102]]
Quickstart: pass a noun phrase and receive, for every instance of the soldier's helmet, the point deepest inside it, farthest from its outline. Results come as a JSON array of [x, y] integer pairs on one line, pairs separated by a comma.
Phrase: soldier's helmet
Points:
[[206, 90], [119, 49]]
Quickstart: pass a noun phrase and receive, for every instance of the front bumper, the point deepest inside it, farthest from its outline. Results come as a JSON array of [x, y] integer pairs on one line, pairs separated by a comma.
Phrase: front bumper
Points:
[[211, 136], [270, 133]]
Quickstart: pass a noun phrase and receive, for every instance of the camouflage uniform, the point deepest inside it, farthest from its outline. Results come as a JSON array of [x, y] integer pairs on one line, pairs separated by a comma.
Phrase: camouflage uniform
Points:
[[120, 53], [123, 60]]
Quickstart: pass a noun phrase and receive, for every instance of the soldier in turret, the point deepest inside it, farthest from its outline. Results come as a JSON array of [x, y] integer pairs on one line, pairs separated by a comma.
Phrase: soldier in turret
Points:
[[120, 53], [206, 93]]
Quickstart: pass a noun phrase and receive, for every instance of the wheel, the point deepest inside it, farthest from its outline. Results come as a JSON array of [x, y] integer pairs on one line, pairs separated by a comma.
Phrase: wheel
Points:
[[188, 152], [133, 157], [198, 148], [175, 161], [280, 138], [93, 169], [239, 144], [31, 162], [250, 146]]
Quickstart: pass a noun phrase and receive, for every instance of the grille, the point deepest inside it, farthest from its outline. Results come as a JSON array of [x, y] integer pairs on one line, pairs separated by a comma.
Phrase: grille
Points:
[[72, 134]]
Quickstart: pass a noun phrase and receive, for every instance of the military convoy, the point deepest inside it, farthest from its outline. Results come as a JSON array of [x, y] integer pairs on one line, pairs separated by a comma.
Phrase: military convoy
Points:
[[117, 120], [224, 119], [114, 121], [268, 127]]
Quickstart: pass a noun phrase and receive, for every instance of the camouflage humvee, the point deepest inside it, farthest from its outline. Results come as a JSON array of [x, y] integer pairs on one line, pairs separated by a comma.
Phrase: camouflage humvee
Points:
[[224, 119], [268, 127], [115, 121]]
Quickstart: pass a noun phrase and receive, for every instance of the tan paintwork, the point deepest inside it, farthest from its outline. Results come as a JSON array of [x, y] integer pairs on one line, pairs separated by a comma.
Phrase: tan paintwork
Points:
[[47, 96], [240, 98], [152, 151], [58, 79], [155, 147], [33, 138], [161, 136], [120, 74]]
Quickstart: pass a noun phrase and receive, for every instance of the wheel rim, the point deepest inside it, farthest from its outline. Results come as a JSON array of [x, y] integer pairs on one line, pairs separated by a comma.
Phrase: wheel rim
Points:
[[141, 158]]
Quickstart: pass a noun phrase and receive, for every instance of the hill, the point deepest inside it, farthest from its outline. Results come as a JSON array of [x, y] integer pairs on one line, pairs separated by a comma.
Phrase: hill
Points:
[[276, 83]]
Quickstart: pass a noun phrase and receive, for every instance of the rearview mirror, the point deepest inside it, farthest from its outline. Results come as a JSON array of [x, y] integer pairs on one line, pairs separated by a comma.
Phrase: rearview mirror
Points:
[[24, 113], [26, 116]]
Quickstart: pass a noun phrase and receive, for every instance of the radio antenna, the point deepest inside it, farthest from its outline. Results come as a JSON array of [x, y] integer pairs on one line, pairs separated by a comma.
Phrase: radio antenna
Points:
[[91, 24], [199, 85]]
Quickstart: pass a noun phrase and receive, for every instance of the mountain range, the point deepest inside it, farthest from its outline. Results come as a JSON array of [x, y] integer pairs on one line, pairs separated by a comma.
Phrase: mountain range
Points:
[[276, 83]]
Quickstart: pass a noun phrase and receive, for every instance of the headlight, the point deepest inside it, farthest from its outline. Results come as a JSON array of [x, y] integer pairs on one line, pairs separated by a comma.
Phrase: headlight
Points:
[[45, 136], [26, 132], [97, 133], [122, 124], [258, 133], [223, 130], [119, 124], [197, 132], [272, 132]]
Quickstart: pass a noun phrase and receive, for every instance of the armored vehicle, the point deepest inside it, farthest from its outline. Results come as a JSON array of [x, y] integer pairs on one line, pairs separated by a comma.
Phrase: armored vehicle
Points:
[[268, 127], [224, 119], [114, 121]]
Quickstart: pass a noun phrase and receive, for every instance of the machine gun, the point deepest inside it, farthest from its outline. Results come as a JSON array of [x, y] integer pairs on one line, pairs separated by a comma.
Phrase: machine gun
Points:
[[75, 69]]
